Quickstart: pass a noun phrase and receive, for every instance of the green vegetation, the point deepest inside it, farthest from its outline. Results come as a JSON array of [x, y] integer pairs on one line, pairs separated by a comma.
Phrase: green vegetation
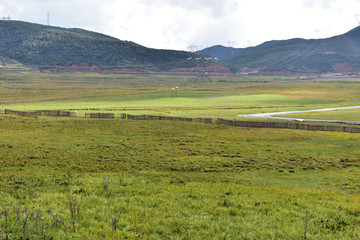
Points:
[[77, 178], [154, 94], [335, 54], [171, 180], [220, 52], [32, 45], [41, 46], [350, 115]]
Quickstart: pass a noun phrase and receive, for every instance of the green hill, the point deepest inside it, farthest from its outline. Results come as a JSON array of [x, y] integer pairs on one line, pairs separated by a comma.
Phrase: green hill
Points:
[[42, 46], [220, 52], [336, 54]]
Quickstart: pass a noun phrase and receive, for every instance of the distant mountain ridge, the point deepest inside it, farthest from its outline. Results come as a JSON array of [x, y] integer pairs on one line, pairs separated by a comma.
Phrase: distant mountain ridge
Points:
[[336, 54], [47, 47], [220, 52], [42, 46]]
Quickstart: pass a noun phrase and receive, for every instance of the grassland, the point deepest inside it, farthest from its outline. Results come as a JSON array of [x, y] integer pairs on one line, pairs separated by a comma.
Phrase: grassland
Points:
[[350, 115], [139, 94], [76, 178]]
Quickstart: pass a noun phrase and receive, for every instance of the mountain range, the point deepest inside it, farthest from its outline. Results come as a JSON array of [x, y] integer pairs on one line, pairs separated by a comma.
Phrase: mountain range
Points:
[[42, 46], [335, 54], [220, 52], [47, 47]]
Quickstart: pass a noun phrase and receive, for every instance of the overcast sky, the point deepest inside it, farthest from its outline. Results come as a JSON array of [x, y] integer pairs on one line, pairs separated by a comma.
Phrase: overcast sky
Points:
[[177, 24]]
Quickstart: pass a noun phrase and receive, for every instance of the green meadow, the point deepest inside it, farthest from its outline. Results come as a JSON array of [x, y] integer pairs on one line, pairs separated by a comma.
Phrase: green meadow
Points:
[[157, 94], [349, 114], [77, 178]]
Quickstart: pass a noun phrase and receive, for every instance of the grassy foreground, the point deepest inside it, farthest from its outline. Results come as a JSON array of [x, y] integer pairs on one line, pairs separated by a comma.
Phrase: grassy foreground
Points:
[[117, 179], [76, 178]]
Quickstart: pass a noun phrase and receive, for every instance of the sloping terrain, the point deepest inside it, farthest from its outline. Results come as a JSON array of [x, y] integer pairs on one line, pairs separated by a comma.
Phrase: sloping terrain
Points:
[[336, 54], [44, 46], [220, 52], [34, 45]]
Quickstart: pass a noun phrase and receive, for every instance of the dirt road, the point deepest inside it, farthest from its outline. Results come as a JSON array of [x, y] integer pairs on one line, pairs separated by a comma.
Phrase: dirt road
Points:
[[271, 115]]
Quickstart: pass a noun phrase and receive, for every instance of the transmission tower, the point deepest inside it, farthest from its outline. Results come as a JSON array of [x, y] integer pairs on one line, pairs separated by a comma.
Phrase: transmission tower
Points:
[[192, 48], [322, 33], [48, 18], [357, 19], [250, 43], [231, 45], [202, 74]]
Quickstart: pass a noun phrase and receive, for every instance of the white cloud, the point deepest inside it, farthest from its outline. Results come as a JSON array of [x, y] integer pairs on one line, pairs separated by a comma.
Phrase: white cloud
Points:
[[322, 3]]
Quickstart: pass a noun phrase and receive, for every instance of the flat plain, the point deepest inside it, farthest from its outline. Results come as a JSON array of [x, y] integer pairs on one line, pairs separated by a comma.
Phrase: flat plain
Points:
[[79, 178]]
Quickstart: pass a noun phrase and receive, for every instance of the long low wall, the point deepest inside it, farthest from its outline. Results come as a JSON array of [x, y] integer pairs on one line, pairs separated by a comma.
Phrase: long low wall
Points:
[[153, 117], [290, 125], [42, 113], [99, 115], [250, 124]]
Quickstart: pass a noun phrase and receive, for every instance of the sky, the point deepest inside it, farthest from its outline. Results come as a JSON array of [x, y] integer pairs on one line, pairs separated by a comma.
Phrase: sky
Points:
[[193, 24]]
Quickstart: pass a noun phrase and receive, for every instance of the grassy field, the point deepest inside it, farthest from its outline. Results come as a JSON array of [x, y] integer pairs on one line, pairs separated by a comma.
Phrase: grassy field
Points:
[[76, 178], [349, 114], [153, 94]]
